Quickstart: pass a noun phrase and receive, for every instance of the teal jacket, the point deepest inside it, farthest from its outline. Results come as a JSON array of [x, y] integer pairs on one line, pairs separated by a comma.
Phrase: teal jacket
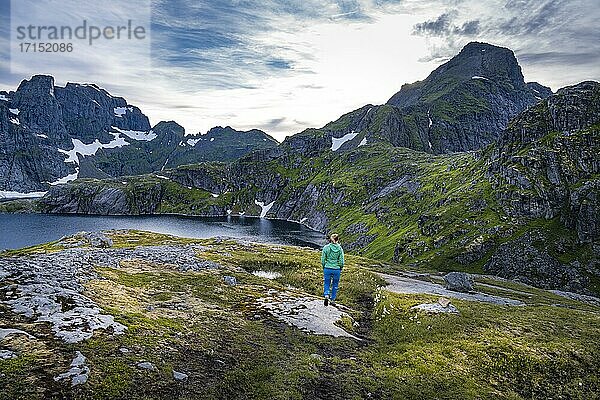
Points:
[[332, 256]]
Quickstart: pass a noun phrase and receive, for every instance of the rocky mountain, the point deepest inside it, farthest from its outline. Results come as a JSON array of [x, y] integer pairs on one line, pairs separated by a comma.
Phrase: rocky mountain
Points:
[[222, 144], [51, 135], [463, 105], [525, 208]]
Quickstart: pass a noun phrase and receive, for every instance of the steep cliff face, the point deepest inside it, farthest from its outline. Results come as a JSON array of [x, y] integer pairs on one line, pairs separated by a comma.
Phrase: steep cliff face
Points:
[[546, 164], [56, 134], [40, 123]]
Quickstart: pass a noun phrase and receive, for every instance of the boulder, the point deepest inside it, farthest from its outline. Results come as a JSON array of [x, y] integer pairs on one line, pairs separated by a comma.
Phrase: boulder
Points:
[[99, 240], [230, 280], [146, 365], [179, 376], [459, 282]]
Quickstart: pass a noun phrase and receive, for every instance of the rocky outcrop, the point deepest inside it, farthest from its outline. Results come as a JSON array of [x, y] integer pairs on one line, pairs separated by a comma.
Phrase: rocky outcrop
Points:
[[459, 282], [546, 163], [528, 259], [467, 102], [463, 105]]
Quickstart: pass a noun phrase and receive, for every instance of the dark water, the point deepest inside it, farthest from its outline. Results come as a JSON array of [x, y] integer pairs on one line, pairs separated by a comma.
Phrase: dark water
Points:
[[21, 230]]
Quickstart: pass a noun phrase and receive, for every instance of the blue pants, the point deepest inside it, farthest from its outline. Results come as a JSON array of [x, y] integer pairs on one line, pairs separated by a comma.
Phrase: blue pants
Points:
[[332, 279]]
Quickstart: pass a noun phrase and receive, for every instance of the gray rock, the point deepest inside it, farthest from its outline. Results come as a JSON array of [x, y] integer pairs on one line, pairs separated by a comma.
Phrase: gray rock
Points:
[[230, 280], [7, 355], [4, 333], [459, 282], [99, 240], [146, 365], [78, 372], [179, 376], [200, 266]]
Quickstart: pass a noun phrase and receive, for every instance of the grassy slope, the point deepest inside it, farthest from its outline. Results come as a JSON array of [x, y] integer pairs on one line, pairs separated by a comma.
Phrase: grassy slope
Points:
[[232, 350]]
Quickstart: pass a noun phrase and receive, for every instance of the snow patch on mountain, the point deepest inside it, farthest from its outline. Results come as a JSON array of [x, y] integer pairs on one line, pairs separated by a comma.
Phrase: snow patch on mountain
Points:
[[137, 135], [480, 77], [363, 142], [66, 179], [4, 194], [4, 98], [120, 111], [336, 143], [192, 142], [14, 111], [264, 208], [82, 149]]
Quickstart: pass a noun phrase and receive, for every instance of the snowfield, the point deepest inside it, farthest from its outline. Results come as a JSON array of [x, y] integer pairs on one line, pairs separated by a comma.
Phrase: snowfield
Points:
[[120, 111], [82, 149], [336, 143], [137, 135], [18, 195]]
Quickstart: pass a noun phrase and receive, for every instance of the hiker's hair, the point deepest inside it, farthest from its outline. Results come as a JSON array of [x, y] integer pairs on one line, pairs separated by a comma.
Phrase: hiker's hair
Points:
[[334, 237]]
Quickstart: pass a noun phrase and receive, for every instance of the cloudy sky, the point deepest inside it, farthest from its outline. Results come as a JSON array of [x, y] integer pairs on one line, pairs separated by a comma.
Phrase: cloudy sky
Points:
[[283, 66]]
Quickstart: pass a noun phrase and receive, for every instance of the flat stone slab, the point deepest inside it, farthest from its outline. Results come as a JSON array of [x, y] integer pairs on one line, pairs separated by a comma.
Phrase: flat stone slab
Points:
[[406, 285], [179, 376], [578, 297], [4, 333], [305, 313], [146, 365], [78, 373]]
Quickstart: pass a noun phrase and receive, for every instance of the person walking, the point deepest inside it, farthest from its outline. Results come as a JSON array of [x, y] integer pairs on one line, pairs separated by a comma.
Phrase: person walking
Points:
[[332, 260]]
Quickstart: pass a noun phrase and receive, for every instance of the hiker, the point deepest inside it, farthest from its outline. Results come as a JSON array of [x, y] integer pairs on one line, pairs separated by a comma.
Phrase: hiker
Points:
[[332, 259]]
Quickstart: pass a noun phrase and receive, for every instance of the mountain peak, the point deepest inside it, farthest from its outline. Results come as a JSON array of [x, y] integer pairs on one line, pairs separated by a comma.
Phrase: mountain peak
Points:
[[37, 84]]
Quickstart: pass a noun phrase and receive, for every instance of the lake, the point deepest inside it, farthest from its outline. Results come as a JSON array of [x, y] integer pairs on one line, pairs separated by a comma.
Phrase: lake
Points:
[[21, 230]]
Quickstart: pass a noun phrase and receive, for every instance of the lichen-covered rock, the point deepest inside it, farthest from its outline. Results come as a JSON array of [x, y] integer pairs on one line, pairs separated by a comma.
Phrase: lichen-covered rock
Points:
[[146, 365]]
